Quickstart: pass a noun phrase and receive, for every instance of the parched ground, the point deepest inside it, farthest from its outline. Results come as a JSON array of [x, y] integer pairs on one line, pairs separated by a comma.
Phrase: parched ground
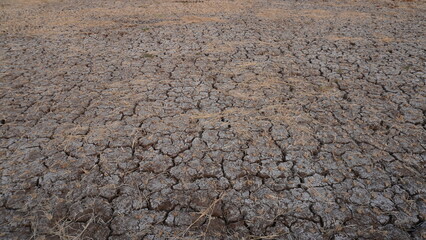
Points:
[[231, 119]]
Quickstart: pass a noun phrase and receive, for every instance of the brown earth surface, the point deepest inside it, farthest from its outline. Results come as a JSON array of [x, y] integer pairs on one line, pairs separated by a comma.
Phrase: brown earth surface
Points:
[[231, 119]]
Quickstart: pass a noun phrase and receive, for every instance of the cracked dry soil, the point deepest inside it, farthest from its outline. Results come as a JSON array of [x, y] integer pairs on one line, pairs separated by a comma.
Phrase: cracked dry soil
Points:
[[243, 119]]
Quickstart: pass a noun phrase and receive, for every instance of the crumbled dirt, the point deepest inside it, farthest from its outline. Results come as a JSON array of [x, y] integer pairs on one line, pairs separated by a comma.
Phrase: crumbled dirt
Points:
[[231, 119]]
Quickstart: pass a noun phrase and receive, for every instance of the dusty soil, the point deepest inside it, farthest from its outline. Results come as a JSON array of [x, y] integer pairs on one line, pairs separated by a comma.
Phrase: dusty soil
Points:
[[243, 119]]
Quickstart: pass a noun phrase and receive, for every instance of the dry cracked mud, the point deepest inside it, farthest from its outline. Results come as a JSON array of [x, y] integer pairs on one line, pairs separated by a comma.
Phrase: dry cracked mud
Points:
[[243, 119]]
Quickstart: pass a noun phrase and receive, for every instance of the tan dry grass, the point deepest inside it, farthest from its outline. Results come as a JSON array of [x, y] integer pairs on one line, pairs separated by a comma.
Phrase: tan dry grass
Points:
[[25, 2], [282, 14], [42, 17], [384, 38], [339, 38], [188, 20], [206, 213]]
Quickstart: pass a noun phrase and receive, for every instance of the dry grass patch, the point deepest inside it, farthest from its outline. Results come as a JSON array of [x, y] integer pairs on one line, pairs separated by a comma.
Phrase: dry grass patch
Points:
[[188, 20], [340, 38], [383, 38], [207, 213], [39, 17], [282, 14], [24, 3], [201, 8]]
